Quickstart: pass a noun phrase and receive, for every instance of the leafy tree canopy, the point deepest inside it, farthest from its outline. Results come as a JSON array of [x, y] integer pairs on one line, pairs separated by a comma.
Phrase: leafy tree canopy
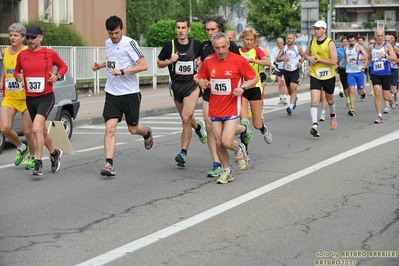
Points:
[[61, 35]]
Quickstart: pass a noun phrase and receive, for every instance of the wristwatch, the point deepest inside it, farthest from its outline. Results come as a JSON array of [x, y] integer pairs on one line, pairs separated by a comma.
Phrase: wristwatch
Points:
[[242, 87], [59, 77], [122, 71]]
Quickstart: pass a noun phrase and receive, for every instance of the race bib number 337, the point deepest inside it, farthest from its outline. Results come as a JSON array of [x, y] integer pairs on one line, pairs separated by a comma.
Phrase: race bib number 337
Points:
[[35, 85]]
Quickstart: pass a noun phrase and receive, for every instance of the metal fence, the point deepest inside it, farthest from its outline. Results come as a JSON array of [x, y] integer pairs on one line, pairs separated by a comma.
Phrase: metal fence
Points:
[[80, 61]]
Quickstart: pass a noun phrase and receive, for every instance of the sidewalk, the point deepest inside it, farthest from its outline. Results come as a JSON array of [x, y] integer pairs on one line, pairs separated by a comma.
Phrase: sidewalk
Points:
[[154, 102]]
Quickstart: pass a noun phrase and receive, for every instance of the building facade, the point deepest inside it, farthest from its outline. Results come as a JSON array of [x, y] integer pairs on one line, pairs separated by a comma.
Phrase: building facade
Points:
[[363, 17], [86, 16]]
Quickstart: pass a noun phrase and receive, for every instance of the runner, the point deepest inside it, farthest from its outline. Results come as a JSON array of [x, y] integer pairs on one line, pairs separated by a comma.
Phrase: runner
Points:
[[356, 57], [380, 55], [34, 67], [322, 56], [278, 70], [224, 73], [14, 99], [292, 57], [124, 60], [180, 56]]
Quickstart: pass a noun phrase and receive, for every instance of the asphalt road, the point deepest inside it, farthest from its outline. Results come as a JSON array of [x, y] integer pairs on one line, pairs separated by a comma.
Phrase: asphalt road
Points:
[[301, 201]]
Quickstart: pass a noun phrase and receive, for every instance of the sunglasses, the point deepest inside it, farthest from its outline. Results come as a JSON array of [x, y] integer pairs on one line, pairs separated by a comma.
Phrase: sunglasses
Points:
[[372, 43], [31, 37]]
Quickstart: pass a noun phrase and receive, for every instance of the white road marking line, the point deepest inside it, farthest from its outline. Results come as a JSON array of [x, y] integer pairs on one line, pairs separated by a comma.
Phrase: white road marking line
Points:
[[203, 216]]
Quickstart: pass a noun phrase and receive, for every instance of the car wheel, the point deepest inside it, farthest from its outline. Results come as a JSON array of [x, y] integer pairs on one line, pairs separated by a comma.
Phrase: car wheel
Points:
[[67, 122], [2, 141]]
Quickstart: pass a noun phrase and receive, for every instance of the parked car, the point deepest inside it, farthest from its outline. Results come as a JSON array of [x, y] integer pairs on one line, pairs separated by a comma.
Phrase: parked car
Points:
[[65, 109]]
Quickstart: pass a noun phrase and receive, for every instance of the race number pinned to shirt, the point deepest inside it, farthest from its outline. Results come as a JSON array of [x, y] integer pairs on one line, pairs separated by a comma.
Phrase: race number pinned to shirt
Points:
[[112, 63], [323, 73], [12, 85], [35, 85], [378, 66], [290, 67], [184, 68], [221, 86]]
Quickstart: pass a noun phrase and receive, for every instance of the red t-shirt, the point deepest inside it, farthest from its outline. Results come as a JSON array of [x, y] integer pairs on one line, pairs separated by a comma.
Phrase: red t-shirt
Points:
[[37, 67], [224, 77]]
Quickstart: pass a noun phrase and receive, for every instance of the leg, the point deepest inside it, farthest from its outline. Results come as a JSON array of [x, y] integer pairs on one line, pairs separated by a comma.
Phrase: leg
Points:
[[28, 133], [109, 137], [7, 116]]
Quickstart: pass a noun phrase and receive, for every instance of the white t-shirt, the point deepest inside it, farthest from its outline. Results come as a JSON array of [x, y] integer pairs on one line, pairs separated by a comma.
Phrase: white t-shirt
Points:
[[122, 55], [273, 56]]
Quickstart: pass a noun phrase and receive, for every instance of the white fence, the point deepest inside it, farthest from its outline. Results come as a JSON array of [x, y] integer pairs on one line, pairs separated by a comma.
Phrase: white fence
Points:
[[80, 61]]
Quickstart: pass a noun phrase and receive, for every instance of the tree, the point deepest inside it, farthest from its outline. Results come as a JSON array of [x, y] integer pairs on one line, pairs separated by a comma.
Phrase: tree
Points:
[[271, 17], [61, 35], [164, 30]]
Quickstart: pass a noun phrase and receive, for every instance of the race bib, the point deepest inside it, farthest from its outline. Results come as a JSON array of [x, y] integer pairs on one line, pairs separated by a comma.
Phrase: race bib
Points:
[[184, 68], [378, 66], [290, 67], [12, 85], [35, 85], [352, 60], [221, 86], [323, 73], [112, 63]]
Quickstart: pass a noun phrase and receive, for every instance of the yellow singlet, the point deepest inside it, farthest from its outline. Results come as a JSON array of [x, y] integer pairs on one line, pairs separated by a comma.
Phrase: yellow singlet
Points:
[[321, 70], [13, 89]]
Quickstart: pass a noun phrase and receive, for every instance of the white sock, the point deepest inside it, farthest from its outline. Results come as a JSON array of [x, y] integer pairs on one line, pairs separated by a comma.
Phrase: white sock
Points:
[[313, 114], [22, 147]]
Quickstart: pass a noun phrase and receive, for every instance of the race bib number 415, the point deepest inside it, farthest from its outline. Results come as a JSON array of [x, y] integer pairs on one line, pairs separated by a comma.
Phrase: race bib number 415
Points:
[[221, 86]]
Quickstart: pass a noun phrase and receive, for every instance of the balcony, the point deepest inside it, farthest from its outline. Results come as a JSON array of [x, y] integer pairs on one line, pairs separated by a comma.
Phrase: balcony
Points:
[[365, 3], [365, 26]]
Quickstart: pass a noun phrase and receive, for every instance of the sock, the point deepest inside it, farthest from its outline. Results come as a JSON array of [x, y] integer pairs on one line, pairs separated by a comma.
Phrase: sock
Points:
[[198, 128], [263, 129], [183, 151], [54, 153], [110, 161], [239, 150], [148, 135], [332, 109], [323, 112], [313, 114], [281, 96], [227, 169], [22, 147], [291, 106], [379, 114]]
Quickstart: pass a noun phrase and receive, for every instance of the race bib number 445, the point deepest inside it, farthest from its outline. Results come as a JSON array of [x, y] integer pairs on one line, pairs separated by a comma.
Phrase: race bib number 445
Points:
[[221, 86], [35, 85], [12, 85]]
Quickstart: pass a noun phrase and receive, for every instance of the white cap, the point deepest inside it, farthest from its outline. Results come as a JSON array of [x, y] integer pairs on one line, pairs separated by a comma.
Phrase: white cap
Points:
[[320, 24]]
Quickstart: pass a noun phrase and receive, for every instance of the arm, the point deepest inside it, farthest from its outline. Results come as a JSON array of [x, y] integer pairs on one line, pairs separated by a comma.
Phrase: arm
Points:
[[97, 66], [279, 57], [391, 56], [302, 55], [165, 63], [312, 59], [369, 56]]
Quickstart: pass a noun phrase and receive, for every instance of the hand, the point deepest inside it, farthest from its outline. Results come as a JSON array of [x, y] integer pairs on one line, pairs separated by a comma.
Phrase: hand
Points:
[[53, 78], [238, 91], [96, 66], [204, 84], [174, 57], [20, 76]]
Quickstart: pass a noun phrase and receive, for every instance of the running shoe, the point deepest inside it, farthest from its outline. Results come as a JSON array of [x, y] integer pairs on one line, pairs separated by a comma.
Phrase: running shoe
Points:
[[341, 94], [249, 113], [31, 163], [289, 111], [202, 132], [294, 107], [352, 112], [314, 131], [333, 122], [181, 159], [322, 117], [150, 141], [246, 137], [348, 103], [363, 96], [268, 137], [216, 170], [21, 154], [387, 110], [225, 177], [280, 102], [56, 161], [379, 120], [372, 92], [38, 169], [392, 104], [241, 157], [108, 170], [285, 101]]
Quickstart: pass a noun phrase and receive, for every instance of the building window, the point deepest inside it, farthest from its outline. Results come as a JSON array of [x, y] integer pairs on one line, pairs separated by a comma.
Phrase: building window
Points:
[[56, 11]]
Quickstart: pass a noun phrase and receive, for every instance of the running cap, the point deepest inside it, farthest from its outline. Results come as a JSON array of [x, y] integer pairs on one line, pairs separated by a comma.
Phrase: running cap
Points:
[[34, 31], [320, 24]]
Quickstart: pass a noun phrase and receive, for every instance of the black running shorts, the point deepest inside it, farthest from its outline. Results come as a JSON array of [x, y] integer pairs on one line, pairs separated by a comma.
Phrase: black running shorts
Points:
[[328, 85], [128, 104], [41, 105]]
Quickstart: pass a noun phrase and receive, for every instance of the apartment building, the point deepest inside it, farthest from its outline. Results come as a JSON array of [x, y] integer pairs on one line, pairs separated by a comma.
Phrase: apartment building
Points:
[[362, 17], [86, 16]]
